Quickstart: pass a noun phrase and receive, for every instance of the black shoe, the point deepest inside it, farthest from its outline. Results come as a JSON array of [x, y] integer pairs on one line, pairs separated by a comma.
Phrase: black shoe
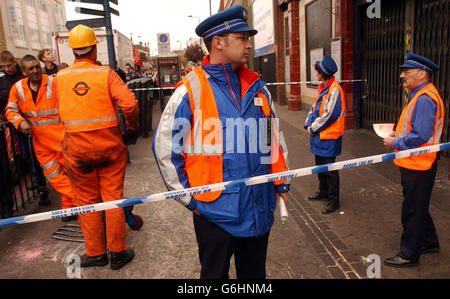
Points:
[[120, 259], [69, 218], [435, 249], [317, 196], [94, 261], [399, 262], [330, 208]]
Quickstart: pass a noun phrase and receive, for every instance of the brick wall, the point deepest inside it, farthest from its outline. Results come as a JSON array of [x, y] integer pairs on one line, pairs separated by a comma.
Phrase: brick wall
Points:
[[344, 29]]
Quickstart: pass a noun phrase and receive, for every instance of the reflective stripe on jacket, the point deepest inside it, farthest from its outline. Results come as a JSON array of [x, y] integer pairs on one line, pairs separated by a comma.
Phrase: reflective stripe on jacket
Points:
[[240, 210], [335, 130], [85, 100], [204, 163], [425, 161], [40, 115]]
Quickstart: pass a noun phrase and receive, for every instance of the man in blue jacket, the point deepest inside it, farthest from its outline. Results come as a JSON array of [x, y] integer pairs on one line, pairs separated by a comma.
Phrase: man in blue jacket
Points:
[[325, 124], [219, 108]]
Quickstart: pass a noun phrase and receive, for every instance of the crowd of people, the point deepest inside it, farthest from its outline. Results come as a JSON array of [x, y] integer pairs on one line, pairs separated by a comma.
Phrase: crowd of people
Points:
[[86, 159]]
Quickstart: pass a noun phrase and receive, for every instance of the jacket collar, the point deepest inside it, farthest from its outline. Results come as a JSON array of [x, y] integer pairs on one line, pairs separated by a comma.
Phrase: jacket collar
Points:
[[322, 86], [221, 71]]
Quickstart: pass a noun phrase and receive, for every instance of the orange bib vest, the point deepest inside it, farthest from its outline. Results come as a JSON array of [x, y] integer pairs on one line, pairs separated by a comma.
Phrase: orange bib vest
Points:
[[425, 161], [336, 130], [38, 117], [85, 101], [204, 166]]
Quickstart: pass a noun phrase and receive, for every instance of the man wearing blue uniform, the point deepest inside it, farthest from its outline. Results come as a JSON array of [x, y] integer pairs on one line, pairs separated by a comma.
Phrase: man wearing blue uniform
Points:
[[207, 134], [325, 124], [420, 124]]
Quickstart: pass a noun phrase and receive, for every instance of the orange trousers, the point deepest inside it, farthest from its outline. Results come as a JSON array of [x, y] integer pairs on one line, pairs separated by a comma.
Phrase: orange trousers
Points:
[[52, 164], [95, 177]]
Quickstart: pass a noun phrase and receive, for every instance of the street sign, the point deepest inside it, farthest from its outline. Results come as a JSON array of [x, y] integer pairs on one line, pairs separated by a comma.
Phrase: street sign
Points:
[[163, 43], [92, 23], [113, 11], [102, 22], [88, 11]]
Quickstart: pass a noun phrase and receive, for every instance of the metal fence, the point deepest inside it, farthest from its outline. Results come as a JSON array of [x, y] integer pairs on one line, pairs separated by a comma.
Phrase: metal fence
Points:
[[16, 188], [146, 99], [420, 26]]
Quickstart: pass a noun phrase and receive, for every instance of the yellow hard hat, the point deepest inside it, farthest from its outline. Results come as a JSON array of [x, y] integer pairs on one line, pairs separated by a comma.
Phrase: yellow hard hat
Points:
[[82, 36]]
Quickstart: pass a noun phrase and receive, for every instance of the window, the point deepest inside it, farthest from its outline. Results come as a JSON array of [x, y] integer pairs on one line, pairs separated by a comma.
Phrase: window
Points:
[[17, 24], [57, 8], [43, 5]]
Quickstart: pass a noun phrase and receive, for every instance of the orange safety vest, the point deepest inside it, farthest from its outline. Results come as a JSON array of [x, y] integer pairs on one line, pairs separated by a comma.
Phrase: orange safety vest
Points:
[[425, 161], [336, 130], [85, 102], [40, 114], [204, 166]]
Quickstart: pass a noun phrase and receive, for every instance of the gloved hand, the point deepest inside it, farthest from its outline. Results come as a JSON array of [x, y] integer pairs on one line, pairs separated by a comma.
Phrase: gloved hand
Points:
[[130, 137]]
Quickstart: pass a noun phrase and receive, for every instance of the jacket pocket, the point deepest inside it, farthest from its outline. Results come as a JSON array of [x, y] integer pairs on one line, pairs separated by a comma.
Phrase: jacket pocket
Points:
[[223, 210]]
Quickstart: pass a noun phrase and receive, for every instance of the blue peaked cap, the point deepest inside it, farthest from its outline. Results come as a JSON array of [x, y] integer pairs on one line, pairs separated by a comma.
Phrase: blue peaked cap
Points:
[[233, 19], [327, 65], [414, 61]]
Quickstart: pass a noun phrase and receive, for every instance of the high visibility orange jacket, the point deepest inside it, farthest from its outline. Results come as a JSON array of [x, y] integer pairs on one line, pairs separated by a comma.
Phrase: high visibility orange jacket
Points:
[[227, 109], [89, 98], [207, 168], [425, 161], [47, 129], [326, 120]]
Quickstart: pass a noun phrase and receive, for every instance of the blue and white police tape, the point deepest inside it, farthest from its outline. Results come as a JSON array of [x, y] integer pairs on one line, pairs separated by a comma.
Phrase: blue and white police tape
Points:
[[268, 84], [225, 185]]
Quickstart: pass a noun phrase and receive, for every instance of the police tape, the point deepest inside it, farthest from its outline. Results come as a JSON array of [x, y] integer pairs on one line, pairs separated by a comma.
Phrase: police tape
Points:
[[268, 84], [175, 194]]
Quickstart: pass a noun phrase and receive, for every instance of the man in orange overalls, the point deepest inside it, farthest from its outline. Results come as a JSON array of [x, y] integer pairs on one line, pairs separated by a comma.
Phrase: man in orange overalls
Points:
[[93, 148], [33, 109]]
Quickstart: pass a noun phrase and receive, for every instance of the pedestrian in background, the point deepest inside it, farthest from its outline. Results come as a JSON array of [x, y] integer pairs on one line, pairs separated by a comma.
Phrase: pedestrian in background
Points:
[[50, 67], [420, 124], [236, 221], [13, 73], [325, 125], [33, 109], [93, 146]]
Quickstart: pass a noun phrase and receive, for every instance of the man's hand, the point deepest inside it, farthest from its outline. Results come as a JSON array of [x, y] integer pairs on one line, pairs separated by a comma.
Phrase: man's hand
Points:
[[309, 131], [25, 127], [388, 140], [284, 196]]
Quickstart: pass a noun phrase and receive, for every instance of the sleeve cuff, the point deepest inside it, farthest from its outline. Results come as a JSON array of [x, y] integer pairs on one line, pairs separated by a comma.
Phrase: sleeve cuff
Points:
[[192, 205], [395, 144], [282, 188]]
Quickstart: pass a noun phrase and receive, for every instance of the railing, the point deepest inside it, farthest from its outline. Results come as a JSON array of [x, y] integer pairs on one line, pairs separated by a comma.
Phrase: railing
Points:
[[146, 99], [16, 188]]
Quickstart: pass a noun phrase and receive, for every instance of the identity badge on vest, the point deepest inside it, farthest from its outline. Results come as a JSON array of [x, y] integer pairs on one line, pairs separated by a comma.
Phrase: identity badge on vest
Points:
[[258, 102]]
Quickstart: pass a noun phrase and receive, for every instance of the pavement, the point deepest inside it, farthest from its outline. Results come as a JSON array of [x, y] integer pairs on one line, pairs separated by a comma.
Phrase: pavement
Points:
[[351, 243]]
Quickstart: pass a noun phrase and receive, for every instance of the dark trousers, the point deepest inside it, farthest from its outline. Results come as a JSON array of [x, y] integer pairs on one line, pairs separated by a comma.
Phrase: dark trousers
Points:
[[328, 181], [6, 201], [216, 246], [418, 226], [32, 164]]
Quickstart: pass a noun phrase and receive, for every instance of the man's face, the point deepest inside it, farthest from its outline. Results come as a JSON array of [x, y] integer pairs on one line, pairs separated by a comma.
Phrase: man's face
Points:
[[127, 68], [412, 78], [48, 56], [9, 67], [319, 76], [32, 69], [236, 48]]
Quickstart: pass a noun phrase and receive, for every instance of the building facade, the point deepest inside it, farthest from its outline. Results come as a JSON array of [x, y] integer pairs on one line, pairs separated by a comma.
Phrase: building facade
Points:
[[368, 39], [26, 26]]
